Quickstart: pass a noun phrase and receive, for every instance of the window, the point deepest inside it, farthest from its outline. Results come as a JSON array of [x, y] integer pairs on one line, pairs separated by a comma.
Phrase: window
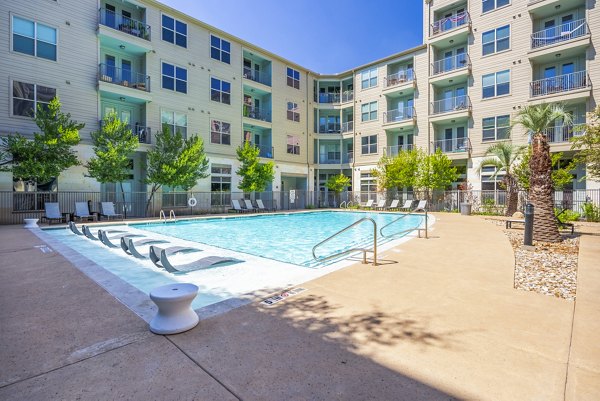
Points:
[[220, 184], [496, 84], [34, 39], [220, 91], [27, 98], [292, 111], [368, 185], [293, 145], [220, 132], [496, 40], [369, 111], [174, 78], [220, 49], [368, 78], [496, 128], [174, 31], [293, 78], [490, 181], [368, 144], [489, 5], [176, 122]]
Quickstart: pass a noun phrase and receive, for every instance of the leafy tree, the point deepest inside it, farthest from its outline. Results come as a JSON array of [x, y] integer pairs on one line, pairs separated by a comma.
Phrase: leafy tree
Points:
[[113, 145], [337, 183], [49, 153], [175, 162], [435, 172], [400, 171], [505, 159], [255, 175], [561, 174], [589, 144], [536, 119]]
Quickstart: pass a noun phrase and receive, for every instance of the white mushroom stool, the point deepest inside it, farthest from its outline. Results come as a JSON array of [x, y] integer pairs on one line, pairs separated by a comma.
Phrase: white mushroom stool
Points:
[[31, 223], [175, 313]]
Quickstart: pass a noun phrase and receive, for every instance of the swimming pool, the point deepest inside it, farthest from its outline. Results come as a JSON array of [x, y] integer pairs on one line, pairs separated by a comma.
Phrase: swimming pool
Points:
[[287, 238]]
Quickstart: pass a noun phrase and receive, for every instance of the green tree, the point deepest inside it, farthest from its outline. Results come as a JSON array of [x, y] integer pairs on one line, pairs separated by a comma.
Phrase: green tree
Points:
[[435, 172], [505, 159], [588, 143], [49, 153], [561, 173], [337, 183], [175, 162], [536, 119], [400, 171], [113, 145], [255, 175]]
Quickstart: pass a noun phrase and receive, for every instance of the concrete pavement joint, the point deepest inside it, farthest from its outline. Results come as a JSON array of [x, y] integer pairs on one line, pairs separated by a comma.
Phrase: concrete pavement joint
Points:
[[570, 349]]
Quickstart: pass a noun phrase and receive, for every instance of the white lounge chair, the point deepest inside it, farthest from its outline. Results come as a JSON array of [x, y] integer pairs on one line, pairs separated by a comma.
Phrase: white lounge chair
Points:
[[130, 247], [261, 206], [407, 205], [393, 205], [236, 206], [106, 240], [107, 209], [82, 211], [74, 228], [52, 213], [421, 207], [155, 252], [380, 205], [368, 205], [200, 264], [249, 206]]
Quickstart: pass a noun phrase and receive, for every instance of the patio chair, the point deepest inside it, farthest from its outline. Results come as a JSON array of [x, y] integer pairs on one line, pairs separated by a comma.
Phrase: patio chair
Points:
[[155, 252], [107, 209], [130, 247], [249, 206], [393, 205], [74, 228], [421, 207], [368, 205], [380, 205], [236, 206], [261, 206], [200, 264], [82, 211], [407, 205], [52, 213], [106, 240]]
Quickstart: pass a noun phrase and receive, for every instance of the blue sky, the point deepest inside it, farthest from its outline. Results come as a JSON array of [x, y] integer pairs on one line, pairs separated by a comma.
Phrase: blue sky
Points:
[[326, 36]]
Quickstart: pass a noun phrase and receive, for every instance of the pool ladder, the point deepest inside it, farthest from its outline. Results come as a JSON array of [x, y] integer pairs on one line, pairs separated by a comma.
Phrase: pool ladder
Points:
[[352, 250], [163, 217], [345, 205]]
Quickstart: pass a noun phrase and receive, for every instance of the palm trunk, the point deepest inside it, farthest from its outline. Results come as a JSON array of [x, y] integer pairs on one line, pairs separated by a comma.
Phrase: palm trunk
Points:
[[512, 195], [540, 191]]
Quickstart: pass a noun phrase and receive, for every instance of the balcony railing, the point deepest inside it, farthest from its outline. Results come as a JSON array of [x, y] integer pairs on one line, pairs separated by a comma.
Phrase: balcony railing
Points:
[[561, 33], [454, 145], [331, 128], [330, 158], [392, 151], [130, 26], [450, 23], [123, 77], [398, 78], [336, 98], [453, 63], [348, 158], [564, 133], [560, 84], [257, 113], [143, 134], [348, 126], [257, 76], [347, 96], [265, 151], [398, 115], [457, 103]]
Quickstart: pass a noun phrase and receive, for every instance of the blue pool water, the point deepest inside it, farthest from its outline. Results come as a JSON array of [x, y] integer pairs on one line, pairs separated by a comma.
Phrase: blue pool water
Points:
[[286, 237]]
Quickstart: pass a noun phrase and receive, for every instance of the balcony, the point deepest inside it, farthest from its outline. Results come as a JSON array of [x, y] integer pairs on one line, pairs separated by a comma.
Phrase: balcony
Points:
[[558, 34], [123, 77], [143, 134], [564, 133], [265, 151], [336, 98], [560, 84], [330, 128], [454, 145], [399, 115], [392, 151], [348, 158], [257, 113], [330, 158], [348, 127], [127, 25], [257, 76], [399, 78], [449, 64], [449, 24], [451, 105]]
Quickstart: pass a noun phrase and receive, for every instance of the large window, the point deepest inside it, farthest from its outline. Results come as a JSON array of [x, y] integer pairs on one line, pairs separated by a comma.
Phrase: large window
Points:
[[293, 78], [176, 122], [174, 78], [293, 145], [496, 128], [220, 132], [489, 5], [368, 78], [34, 39], [293, 112], [27, 97], [496, 40], [368, 186], [490, 181], [220, 49], [496, 84], [369, 111], [220, 91], [220, 184], [369, 144], [174, 31]]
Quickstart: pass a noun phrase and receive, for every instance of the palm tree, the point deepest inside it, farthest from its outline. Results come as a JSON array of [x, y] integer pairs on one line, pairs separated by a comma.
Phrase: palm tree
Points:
[[536, 119], [505, 157]]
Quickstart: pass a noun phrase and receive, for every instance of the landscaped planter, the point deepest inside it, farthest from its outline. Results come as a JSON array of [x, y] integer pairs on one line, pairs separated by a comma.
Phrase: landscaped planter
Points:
[[465, 209]]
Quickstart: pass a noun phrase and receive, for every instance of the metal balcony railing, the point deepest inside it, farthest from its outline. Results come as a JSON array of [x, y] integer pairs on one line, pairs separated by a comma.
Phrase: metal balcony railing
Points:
[[257, 76], [450, 23], [332, 128], [330, 158], [453, 63], [348, 126], [128, 25], [454, 145], [398, 78], [560, 84], [257, 113], [336, 98], [347, 96], [457, 103], [348, 158], [561, 33], [398, 115], [392, 151], [144, 134], [123, 77], [564, 133]]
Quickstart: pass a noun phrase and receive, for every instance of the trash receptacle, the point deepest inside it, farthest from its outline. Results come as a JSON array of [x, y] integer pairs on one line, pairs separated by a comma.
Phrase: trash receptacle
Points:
[[465, 209]]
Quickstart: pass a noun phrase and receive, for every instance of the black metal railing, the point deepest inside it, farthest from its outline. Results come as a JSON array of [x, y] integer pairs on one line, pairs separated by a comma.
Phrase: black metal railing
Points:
[[124, 24], [123, 77]]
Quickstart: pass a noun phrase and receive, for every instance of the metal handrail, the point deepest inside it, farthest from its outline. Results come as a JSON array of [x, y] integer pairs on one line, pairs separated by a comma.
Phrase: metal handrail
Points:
[[408, 230], [172, 215], [162, 216], [342, 204], [363, 250]]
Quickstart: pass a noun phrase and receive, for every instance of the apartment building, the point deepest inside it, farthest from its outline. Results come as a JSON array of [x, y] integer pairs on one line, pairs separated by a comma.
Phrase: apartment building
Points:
[[481, 61]]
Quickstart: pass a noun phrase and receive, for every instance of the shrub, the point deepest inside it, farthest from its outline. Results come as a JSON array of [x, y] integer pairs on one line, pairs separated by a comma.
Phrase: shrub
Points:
[[566, 215], [591, 212]]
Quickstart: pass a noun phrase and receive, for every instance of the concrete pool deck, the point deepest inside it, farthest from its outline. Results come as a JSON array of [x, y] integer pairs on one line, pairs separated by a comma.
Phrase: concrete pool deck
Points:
[[439, 319]]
